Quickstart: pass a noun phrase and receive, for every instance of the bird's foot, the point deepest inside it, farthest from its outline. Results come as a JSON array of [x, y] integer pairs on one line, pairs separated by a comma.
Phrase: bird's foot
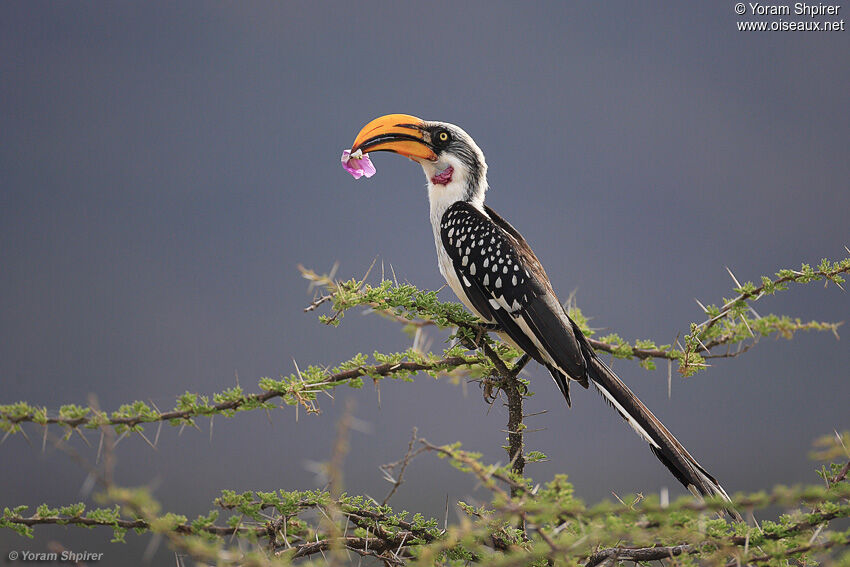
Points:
[[491, 386], [483, 329]]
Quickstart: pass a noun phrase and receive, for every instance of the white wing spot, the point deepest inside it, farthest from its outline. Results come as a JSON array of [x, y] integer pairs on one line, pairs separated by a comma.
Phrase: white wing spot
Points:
[[486, 262], [516, 306], [495, 268], [466, 282], [472, 271], [516, 267], [498, 282], [451, 232], [465, 260], [486, 280], [505, 270], [495, 304], [513, 279]]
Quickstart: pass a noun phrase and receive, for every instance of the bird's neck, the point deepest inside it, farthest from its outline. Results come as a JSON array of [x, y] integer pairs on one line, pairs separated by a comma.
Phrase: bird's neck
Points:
[[448, 186], [442, 196]]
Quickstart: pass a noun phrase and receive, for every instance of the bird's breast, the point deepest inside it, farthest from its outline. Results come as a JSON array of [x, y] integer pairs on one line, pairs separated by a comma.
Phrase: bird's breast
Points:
[[450, 274]]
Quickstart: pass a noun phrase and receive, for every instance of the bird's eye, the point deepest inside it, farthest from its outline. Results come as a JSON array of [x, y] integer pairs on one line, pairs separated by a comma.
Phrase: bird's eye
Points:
[[442, 137]]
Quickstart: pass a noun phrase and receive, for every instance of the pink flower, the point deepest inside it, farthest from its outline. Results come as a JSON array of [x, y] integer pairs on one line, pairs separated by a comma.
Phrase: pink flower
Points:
[[358, 164]]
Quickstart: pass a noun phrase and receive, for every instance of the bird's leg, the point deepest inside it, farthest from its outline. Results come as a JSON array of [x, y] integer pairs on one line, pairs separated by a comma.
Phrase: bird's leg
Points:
[[519, 365], [489, 384], [516, 369], [486, 382], [495, 382]]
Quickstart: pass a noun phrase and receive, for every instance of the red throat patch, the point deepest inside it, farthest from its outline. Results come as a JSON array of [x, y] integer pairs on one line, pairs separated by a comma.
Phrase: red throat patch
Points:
[[444, 177]]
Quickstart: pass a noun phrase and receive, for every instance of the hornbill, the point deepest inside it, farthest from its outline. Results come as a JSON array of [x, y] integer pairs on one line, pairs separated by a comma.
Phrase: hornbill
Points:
[[497, 276]]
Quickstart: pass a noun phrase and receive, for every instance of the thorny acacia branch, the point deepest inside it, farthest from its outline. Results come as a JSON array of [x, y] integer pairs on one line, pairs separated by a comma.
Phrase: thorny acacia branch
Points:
[[418, 309], [658, 553], [401, 465], [421, 308], [829, 271], [300, 392], [558, 526], [391, 538]]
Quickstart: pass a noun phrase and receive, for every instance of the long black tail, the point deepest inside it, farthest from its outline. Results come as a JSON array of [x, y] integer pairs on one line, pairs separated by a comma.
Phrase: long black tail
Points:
[[666, 447]]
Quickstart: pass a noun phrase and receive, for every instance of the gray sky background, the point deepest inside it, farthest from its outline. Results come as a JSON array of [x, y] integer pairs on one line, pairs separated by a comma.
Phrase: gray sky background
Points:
[[164, 168]]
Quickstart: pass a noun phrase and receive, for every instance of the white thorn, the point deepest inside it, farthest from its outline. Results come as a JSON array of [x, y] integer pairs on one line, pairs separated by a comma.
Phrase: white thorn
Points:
[[734, 279]]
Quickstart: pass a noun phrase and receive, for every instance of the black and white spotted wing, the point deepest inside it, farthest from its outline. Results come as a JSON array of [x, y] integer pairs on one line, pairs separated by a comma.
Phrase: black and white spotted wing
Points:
[[505, 281], [482, 252]]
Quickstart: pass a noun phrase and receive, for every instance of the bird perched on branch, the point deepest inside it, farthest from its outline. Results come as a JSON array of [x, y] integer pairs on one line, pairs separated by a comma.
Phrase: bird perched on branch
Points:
[[497, 276]]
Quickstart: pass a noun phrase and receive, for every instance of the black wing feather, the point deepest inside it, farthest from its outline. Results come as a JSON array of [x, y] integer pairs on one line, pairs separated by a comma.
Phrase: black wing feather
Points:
[[559, 340]]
